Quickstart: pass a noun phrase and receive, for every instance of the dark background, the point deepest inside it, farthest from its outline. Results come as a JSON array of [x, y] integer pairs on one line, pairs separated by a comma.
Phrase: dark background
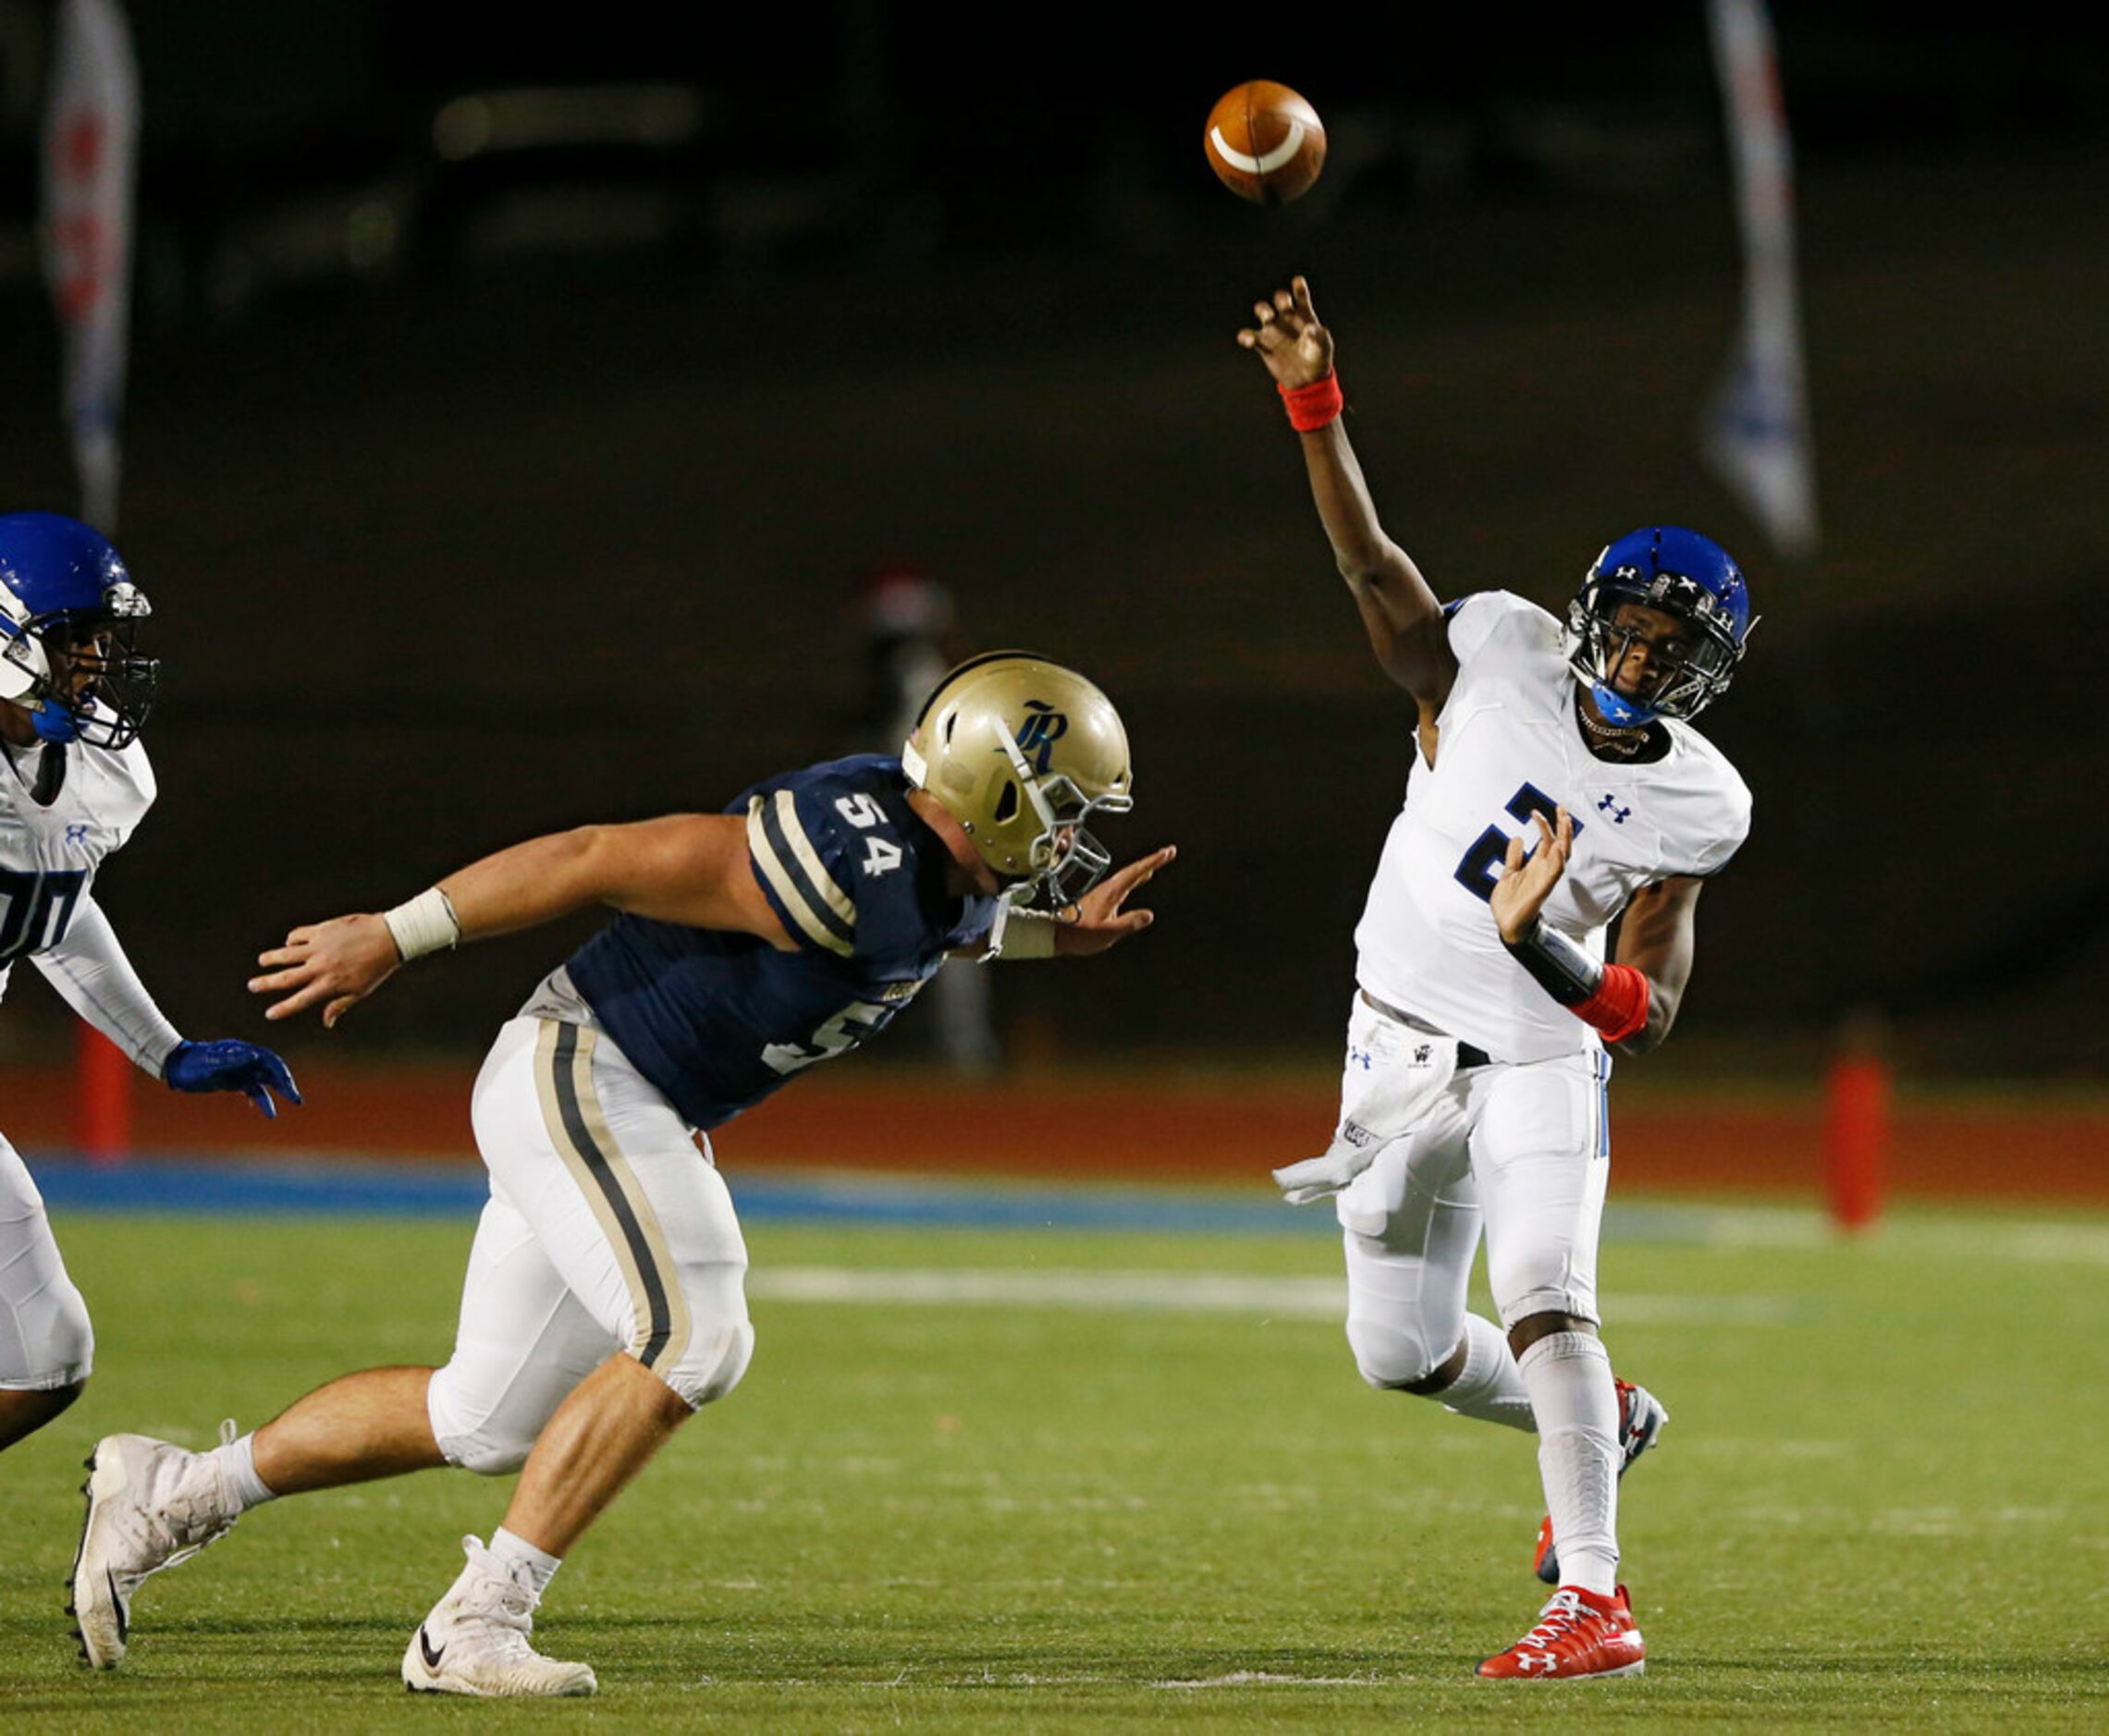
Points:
[[483, 494]]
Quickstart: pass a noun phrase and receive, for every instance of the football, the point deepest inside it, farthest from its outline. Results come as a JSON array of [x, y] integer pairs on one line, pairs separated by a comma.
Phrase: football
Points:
[[1265, 143]]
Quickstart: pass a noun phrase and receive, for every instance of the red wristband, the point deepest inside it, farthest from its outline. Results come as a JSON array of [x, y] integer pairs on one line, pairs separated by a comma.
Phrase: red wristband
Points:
[[1311, 407], [1618, 1008]]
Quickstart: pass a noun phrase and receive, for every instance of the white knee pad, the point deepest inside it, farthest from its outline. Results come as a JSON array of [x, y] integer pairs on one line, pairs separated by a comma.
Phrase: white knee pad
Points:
[[46, 1342], [487, 1410], [1400, 1350], [489, 1432], [711, 1364], [1539, 1279]]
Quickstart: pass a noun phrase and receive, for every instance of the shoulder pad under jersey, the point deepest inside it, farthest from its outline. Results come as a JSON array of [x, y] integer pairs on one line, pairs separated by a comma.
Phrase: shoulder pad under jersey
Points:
[[1476, 619]]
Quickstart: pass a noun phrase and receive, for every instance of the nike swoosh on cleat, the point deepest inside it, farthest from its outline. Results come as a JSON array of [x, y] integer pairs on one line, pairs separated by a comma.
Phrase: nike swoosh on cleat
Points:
[[425, 1648]]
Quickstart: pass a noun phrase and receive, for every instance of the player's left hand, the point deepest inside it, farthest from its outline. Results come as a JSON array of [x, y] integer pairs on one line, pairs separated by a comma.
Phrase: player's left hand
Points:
[[229, 1064], [337, 964], [1097, 921], [1525, 883]]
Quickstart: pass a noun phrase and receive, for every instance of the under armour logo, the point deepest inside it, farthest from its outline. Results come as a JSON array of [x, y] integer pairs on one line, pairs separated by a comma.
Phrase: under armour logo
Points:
[[76, 834], [1039, 733], [1610, 805], [1359, 1057]]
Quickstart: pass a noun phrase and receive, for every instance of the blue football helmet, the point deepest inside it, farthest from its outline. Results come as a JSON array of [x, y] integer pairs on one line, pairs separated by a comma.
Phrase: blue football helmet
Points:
[[67, 606], [1681, 573]]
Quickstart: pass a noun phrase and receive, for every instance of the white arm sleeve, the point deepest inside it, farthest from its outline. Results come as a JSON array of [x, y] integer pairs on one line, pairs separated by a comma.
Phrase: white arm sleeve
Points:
[[89, 968]]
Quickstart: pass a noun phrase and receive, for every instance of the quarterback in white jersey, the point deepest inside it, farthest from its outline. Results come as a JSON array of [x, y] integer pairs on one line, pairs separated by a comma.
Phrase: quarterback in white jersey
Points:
[[73, 693], [1557, 786], [1512, 751]]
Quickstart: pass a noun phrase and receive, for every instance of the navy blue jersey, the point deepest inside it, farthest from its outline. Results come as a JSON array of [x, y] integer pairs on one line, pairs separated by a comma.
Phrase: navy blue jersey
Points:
[[718, 1020]]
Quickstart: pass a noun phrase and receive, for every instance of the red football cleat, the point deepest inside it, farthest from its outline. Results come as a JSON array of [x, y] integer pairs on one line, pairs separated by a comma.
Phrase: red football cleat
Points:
[[1578, 1634], [1640, 1419]]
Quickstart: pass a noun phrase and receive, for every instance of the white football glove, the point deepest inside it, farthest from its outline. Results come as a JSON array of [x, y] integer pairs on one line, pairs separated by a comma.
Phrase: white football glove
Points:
[[1395, 1075]]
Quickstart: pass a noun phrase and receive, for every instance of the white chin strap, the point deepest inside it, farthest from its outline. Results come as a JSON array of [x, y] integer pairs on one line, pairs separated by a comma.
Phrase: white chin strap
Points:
[[23, 666]]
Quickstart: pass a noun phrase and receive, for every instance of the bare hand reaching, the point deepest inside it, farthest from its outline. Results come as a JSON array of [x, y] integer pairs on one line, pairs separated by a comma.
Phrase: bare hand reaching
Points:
[[1525, 884], [337, 964], [1100, 921], [1295, 348]]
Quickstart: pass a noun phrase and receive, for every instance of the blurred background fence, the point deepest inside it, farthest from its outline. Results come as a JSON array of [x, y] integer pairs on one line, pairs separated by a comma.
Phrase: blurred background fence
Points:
[[518, 420]]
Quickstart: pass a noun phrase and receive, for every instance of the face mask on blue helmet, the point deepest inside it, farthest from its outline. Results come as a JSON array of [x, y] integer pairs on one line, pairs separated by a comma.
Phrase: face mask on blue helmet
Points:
[[1679, 573], [67, 606]]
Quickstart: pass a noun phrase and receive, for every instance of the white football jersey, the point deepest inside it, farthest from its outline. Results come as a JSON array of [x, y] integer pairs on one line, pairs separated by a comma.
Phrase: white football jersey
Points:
[[1509, 744], [49, 854]]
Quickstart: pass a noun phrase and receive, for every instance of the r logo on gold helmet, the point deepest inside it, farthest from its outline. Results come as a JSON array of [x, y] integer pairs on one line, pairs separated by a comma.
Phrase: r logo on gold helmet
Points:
[[1022, 752]]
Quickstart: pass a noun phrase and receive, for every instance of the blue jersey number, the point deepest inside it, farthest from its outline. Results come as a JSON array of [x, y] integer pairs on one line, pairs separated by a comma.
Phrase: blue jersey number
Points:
[[35, 909], [1476, 872]]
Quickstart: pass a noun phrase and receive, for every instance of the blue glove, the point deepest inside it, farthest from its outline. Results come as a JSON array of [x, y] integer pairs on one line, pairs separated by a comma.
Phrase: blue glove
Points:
[[231, 1065]]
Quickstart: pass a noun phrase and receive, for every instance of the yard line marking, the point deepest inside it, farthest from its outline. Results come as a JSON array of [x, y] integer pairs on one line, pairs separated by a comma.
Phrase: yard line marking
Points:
[[1270, 1679], [1176, 1292], [2037, 1241]]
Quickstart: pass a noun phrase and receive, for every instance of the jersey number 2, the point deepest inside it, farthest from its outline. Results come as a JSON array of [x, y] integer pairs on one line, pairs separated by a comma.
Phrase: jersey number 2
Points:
[[1477, 871]]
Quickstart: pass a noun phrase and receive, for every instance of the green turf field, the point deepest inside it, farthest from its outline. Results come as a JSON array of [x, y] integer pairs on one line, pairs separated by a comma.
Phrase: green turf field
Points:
[[940, 1502]]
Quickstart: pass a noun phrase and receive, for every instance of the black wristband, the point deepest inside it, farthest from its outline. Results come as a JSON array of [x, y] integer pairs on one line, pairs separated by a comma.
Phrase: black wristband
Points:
[[1556, 964]]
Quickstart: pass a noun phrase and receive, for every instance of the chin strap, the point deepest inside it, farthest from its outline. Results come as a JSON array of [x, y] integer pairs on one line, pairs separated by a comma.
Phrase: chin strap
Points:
[[1621, 713]]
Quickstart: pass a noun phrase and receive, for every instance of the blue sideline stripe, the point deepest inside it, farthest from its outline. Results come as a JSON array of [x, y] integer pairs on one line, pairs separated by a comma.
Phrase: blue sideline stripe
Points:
[[319, 1189], [207, 1188]]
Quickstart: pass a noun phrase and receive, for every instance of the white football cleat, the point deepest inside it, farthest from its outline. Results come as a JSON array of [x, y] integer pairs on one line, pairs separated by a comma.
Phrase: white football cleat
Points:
[[151, 1504], [475, 1639]]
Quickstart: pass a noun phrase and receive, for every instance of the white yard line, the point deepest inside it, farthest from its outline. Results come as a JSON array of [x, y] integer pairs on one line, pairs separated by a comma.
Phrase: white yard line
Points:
[[1174, 1293], [1986, 1235], [1728, 1228]]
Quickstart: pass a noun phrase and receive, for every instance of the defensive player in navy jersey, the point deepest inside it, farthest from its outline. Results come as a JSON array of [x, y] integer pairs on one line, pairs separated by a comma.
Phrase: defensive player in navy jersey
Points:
[[1556, 786], [74, 693], [604, 1300]]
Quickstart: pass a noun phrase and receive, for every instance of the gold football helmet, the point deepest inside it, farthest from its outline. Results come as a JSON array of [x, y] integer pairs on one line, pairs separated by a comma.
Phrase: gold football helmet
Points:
[[1021, 752]]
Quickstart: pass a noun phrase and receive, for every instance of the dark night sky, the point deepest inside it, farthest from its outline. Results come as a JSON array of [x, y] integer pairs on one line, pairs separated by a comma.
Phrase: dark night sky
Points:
[[959, 83], [1000, 344]]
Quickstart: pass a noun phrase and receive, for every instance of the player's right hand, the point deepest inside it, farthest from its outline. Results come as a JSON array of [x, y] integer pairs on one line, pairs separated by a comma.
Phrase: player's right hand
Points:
[[1288, 338], [336, 964], [1523, 883]]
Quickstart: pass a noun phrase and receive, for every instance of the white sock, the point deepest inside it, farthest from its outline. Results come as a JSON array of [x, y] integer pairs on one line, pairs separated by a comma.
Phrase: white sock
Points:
[[1490, 1387], [1571, 1390], [236, 1463], [521, 1557]]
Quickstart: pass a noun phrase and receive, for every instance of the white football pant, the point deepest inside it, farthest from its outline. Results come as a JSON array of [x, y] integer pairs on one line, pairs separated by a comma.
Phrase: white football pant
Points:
[[1522, 1152], [607, 1229], [45, 1340]]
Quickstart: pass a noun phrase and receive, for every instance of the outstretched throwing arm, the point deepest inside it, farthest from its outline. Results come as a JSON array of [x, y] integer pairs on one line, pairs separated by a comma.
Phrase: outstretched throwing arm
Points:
[[1400, 613]]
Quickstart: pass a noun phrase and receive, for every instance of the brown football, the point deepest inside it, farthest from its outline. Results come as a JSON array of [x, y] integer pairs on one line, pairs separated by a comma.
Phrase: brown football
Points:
[[1265, 143]]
